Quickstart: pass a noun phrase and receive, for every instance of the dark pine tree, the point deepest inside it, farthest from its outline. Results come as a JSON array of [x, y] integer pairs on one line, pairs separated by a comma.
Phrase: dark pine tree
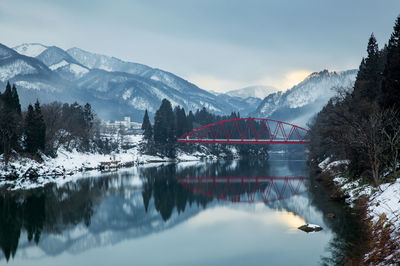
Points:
[[30, 131], [164, 126], [164, 129], [7, 97], [146, 126], [9, 123], [391, 75], [189, 121], [40, 127], [15, 100], [180, 121], [369, 77], [35, 129]]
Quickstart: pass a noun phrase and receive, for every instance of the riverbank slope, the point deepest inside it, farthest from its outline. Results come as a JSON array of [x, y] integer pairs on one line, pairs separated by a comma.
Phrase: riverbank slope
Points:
[[382, 207]]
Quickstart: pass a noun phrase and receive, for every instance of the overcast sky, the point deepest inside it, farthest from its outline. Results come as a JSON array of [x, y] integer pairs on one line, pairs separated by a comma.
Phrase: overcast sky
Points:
[[217, 44]]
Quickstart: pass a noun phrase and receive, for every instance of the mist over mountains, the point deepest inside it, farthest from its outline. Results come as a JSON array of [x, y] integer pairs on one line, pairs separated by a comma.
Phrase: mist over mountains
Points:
[[300, 103], [116, 88], [252, 91]]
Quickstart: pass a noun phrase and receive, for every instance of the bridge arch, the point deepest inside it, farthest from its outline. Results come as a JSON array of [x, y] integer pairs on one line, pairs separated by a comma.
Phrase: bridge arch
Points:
[[247, 131]]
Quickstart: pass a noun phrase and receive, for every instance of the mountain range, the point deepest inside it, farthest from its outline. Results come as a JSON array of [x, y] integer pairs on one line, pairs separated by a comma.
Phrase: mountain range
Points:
[[300, 103], [116, 88]]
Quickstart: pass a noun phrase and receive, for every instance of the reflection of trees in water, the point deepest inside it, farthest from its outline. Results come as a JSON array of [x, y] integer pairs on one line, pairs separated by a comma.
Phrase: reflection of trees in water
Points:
[[52, 209], [347, 226], [17, 214], [252, 167], [49, 209], [162, 185]]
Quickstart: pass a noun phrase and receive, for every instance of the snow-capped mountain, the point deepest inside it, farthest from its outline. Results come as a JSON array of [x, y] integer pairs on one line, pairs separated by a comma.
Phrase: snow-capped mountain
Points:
[[253, 91], [111, 64], [14, 65], [32, 77], [61, 62], [300, 103], [115, 88], [30, 49]]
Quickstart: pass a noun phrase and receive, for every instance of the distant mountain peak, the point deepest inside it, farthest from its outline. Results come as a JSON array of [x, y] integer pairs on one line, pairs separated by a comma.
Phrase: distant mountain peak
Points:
[[252, 91], [30, 49], [302, 101], [105, 62], [54, 55]]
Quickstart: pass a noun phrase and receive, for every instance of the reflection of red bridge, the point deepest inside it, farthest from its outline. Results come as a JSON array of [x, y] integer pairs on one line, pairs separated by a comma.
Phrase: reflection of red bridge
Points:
[[248, 131], [246, 189]]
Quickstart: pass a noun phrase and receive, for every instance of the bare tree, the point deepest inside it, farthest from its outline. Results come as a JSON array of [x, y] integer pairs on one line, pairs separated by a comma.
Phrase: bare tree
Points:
[[391, 132]]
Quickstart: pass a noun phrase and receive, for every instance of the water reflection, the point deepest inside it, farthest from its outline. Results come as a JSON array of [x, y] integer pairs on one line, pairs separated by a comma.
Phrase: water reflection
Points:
[[139, 202], [246, 189]]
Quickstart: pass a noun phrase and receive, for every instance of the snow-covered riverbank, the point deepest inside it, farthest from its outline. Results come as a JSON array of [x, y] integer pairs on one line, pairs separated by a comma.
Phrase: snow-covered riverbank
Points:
[[69, 165], [383, 201]]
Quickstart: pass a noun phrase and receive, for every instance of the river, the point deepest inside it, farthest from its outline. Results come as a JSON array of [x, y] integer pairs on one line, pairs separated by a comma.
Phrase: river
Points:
[[241, 212]]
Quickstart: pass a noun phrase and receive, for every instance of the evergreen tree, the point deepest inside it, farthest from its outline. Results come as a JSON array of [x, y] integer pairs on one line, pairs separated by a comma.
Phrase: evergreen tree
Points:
[[189, 121], [164, 126], [15, 100], [146, 126], [30, 131], [391, 76], [369, 77], [180, 121], [9, 123], [164, 129], [7, 96], [35, 129], [40, 127]]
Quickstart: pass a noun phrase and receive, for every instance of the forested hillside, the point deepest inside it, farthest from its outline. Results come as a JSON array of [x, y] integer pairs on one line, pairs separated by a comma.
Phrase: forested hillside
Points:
[[363, 125]]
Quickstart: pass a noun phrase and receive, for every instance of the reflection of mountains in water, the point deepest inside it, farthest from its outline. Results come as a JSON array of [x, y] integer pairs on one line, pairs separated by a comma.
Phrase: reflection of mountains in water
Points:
[[108, 209]]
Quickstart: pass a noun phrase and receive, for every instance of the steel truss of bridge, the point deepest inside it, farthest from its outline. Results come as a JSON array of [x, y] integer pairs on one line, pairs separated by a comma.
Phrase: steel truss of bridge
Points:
[[248, 131]]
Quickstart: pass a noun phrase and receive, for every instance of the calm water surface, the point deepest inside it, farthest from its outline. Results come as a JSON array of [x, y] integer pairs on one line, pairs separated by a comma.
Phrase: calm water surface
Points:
[[243, 212]]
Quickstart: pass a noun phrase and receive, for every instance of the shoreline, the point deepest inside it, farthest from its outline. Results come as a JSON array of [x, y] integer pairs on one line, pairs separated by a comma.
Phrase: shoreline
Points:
[[27, 173], [381, 204]]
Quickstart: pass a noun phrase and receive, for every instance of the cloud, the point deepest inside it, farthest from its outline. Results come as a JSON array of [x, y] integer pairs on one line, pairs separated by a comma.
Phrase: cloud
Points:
[[292, 78], [209, 82]]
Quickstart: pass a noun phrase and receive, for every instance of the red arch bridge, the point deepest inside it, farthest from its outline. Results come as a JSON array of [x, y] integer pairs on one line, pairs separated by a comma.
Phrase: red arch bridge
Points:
[[248, 131], [246, 189]]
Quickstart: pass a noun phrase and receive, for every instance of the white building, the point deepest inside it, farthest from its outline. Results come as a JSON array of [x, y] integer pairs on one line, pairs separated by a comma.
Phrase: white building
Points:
[[126, 123]]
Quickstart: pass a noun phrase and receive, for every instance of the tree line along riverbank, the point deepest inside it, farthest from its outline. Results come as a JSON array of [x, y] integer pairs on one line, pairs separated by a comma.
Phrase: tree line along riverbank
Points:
[[355, 141]]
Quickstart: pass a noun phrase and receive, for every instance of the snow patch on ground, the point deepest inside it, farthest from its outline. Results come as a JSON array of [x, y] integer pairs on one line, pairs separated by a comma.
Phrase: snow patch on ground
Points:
[[127, 94], [384, 199], [35, 86], [141, 103], [327, 165], [78, 70], [387, 200], [18, 67], [353, 189], [58, 65]]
